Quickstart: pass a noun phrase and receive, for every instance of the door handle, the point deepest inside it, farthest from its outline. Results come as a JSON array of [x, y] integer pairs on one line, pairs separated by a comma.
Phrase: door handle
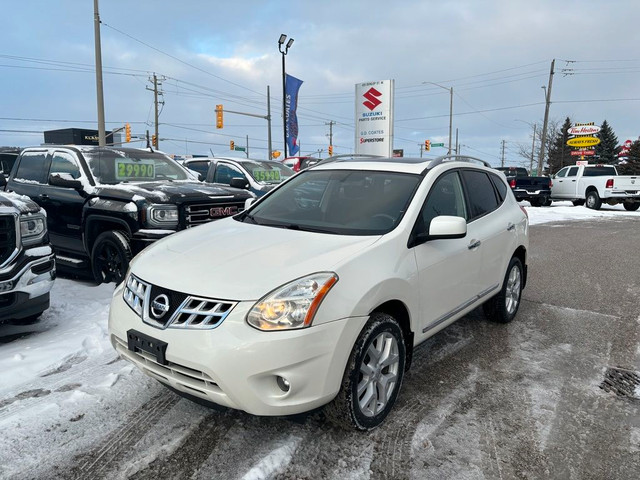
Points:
[[511, 227], [474, 244]]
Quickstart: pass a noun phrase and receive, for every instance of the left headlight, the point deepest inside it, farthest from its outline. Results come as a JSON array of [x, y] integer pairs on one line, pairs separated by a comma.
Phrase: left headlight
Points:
[[164, 216], [293, 305], [32, 229]]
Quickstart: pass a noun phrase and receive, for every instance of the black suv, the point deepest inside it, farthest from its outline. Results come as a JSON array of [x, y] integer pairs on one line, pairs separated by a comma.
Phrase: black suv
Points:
[[27, 264], [106, 204]]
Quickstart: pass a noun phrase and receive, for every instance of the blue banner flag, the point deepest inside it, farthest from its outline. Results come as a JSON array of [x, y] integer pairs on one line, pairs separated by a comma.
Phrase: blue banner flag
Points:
[[292, 85]]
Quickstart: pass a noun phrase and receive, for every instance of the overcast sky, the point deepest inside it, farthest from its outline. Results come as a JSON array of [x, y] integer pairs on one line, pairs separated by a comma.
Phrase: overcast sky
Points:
[[495, 54]]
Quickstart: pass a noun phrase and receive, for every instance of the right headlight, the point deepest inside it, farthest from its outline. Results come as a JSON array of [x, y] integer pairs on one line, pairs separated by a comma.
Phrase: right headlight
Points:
[[162, 216], [292, 305]]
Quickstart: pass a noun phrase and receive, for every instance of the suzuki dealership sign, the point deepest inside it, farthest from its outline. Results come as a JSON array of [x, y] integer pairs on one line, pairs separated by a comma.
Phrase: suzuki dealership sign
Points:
[[374, 118]]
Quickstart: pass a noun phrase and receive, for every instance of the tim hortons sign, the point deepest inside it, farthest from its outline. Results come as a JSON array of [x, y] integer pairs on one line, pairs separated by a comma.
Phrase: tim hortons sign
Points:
[[583, 130]]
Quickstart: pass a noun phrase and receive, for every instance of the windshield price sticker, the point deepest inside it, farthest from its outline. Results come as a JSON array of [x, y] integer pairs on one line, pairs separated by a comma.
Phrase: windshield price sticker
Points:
[[130, 169], [266, 175]]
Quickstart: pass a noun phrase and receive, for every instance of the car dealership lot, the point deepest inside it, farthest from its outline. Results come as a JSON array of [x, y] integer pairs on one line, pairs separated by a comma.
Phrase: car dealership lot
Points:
[[481, 400]]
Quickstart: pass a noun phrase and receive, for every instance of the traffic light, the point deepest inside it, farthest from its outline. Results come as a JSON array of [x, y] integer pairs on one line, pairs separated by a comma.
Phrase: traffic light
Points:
[[219, 111], [127, 132], [330, 149], [232, 145], [154, 140], [427, 145]]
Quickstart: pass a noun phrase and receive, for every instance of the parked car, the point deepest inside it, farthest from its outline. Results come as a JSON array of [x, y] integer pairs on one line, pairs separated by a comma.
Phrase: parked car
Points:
[[259, 176], [104, 205], [27, 263], [8, 157], [593, 185], [300, 163], [318, 293], [535, 190]]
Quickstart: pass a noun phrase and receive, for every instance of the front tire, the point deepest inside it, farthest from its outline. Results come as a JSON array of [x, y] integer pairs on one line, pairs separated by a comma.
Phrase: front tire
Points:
[[373, 376], [631, 207], [110, 257], [503, 307], [593, 200]]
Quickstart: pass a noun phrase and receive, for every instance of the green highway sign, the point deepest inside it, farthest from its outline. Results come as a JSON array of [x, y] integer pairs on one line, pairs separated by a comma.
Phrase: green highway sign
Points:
[[437, 144], [239, 149]]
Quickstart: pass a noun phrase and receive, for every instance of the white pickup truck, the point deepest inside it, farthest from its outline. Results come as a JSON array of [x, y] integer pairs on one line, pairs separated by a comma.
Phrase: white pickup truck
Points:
[[593, 185]]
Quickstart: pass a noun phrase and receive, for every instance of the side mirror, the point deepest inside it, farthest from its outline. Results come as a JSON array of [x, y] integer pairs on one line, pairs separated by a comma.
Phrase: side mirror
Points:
[[64, 180], [443, 227], [238, 182]]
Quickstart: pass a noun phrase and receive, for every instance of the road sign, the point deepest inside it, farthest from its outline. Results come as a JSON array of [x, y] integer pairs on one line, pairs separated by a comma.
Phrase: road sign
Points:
[[437, 144], [239, 149]]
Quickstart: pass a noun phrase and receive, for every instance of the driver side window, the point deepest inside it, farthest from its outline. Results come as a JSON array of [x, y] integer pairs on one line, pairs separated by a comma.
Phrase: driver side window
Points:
[[563, 172], [445, 198], [64, 163]]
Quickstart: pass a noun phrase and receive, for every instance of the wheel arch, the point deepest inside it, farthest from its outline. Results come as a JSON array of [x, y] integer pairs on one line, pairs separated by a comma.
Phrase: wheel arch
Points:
[[398, 310], [97, 224], [521, 254]]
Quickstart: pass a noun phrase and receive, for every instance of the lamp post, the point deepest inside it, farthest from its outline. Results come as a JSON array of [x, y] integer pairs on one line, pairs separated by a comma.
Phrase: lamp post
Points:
[[283, 50], [450, 110]]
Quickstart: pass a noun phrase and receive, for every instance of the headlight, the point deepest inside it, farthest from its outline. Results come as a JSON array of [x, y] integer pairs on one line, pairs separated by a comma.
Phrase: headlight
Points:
[[32, 229], [162, 216], [293, 305]]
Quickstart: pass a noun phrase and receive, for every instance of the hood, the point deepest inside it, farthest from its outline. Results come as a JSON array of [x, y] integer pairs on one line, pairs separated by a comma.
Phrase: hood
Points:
[[10, 202], [171, 192], [231, 260]]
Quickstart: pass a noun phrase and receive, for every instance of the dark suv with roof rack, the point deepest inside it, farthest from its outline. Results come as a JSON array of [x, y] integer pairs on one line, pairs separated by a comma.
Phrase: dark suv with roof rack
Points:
[[105, 204]]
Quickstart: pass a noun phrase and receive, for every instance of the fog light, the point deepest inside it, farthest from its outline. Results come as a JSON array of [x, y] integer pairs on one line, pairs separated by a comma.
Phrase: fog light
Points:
[[283, 383]]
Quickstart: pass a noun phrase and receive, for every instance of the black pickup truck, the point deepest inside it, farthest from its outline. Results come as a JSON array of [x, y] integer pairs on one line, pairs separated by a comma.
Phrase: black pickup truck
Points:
[[27, 263], [536, 190], [105, 204]]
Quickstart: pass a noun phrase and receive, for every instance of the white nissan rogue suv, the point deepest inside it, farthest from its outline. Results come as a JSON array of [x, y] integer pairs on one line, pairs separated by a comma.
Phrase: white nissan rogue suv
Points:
[[319, 292]]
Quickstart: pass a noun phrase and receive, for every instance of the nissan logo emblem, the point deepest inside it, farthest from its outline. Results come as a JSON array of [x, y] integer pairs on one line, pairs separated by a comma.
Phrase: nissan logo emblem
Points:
[[160, 306]]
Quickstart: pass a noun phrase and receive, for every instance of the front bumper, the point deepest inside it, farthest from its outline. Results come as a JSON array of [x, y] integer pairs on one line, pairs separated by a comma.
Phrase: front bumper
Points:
[[237, 366], [25, 285]]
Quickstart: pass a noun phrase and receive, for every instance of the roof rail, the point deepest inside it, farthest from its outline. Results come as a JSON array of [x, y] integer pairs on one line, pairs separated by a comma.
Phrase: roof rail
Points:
[[457, 158], [347, 156]]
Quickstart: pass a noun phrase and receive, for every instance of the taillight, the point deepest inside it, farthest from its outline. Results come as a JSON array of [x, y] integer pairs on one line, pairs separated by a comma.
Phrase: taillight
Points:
[[609, 183], [512, 183], [550, 183]]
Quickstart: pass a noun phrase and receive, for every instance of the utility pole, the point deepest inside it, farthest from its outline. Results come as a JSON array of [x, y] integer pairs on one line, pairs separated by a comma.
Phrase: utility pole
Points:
[[331, 124], [543, 139], [100, 96], [269, 123], [502, 162], [421, 147], [457, 143], [247, 149], [155, 102], [533, 146]]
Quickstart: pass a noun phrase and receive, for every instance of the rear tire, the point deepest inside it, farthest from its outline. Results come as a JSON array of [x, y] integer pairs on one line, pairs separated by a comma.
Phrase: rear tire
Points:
[[373, 376], [593, 200], [503, 307], [631, 207], [110, 257], [535, 202]]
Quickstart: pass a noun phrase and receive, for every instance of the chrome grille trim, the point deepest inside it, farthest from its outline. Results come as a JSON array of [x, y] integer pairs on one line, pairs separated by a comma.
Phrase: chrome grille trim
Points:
[[194, 312], [9, 238]]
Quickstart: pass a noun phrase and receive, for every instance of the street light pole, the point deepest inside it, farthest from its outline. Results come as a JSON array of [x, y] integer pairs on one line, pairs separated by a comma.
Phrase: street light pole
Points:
[[450, 90], [100, 98], [283, 50]]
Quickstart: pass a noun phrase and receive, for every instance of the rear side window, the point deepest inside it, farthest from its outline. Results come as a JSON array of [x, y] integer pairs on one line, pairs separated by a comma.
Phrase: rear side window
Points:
[[573, 171], [480, 193], [501, 187], [33, 167]]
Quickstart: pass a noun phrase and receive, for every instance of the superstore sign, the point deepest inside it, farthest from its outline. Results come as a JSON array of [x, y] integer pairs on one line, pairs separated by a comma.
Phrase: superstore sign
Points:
[[374, 122]]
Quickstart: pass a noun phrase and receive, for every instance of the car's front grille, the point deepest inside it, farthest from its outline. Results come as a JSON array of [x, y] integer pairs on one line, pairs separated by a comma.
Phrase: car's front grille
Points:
[[8, 238], [197, 214], [163, 308]]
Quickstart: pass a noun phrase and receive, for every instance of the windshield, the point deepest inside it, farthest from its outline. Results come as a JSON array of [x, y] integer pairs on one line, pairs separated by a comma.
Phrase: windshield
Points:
[[341, 202], [116, 166], [267, 172]]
